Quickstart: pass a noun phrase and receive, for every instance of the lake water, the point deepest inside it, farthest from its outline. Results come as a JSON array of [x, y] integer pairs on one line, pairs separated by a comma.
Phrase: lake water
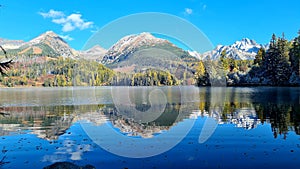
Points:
[[150, 127]]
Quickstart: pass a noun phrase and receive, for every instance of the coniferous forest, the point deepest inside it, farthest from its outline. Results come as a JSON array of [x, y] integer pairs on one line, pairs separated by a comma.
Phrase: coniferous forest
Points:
[[278, 65]]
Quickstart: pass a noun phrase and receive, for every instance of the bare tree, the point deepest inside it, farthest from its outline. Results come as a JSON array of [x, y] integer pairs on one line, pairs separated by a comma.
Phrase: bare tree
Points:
[[6, 64]]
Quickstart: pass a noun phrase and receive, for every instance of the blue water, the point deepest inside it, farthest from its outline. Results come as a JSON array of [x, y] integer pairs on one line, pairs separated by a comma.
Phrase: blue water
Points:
[[236, 136]]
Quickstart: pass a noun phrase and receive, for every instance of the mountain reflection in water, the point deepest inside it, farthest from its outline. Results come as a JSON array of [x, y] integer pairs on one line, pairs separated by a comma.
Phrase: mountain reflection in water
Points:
[[245, 108]]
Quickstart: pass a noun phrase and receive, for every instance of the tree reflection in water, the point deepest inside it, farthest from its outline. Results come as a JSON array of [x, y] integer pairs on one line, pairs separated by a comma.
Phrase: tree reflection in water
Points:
[[243, 107]]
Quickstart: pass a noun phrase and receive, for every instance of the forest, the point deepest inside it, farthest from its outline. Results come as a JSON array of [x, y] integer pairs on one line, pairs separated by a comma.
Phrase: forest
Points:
[[51, 72], [276, 66], [60, 72]]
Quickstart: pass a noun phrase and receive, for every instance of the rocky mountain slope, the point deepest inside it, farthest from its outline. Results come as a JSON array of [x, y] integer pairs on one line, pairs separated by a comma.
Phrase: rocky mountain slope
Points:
[[51, 44], [245, 49], [47, 44], [140, 52], [56, 43], [11, 44], [52, 41], [128, 45], [94, 53]]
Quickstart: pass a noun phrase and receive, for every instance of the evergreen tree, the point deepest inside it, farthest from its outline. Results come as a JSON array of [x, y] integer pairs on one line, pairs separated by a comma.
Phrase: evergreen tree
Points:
[[283, 47], [275, 64], [295, 55]]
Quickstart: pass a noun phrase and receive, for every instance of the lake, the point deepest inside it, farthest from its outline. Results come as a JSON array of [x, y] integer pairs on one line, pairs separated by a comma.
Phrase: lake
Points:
[[150, 127]]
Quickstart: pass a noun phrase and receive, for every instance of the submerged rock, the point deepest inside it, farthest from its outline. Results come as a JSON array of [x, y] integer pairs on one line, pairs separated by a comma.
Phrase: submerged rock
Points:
[[68, 165]]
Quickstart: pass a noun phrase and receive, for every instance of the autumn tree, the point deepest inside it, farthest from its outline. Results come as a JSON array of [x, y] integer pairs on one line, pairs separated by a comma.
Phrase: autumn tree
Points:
[[224, 60], [261, 54], [201, 75]]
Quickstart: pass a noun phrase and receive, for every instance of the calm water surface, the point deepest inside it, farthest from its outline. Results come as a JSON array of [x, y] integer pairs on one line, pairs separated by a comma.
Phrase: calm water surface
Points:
[[150, 127]]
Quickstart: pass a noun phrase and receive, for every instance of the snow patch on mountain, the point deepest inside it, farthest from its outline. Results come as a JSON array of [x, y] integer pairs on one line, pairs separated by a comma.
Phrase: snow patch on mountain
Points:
[[245, 49], [195, 54], [129, 44], [11, 44], [55, 42], [94, 53]]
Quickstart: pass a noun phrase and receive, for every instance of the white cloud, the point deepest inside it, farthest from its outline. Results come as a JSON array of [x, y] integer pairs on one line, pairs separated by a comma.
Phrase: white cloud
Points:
[[67, 27], [76, 155], [69, 150], [52, 14], [66, 37], [59, 21], [76, 21], [188, 11], [68, 23]]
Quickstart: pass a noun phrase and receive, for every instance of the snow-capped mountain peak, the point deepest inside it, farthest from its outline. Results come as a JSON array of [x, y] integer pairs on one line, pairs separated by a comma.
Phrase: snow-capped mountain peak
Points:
[[96, 49], [246, 45], [53, 41], [138, 40], [245, 49], [95, 53], [129, 44], [49, 35]]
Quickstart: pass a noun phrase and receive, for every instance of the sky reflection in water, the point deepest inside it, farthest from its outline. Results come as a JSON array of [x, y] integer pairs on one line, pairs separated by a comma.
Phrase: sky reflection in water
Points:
[[198, 128]]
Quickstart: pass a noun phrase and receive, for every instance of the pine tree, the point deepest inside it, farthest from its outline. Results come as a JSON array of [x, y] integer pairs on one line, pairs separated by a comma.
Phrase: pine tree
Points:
[[283, 67], [283, 47], [275, 64], [295, 55]]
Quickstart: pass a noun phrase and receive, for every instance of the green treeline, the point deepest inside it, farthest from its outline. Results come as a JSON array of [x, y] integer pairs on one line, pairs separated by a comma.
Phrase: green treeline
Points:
[[277, 66], [60, 72], [153, 78], [44, 71], [149, 77]]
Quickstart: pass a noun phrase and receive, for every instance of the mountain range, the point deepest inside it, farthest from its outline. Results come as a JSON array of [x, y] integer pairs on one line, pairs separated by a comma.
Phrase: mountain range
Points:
[[245, 49], [51, 44]]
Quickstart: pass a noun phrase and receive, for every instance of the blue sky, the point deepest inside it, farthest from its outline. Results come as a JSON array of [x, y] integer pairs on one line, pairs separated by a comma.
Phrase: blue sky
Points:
[[223, 22]]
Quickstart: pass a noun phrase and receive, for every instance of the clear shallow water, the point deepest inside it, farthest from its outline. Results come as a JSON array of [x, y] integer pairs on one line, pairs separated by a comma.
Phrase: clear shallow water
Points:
[[150, 127]]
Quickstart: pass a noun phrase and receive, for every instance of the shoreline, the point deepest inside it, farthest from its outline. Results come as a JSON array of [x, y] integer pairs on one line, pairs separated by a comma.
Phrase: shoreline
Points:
[[242, 85]]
